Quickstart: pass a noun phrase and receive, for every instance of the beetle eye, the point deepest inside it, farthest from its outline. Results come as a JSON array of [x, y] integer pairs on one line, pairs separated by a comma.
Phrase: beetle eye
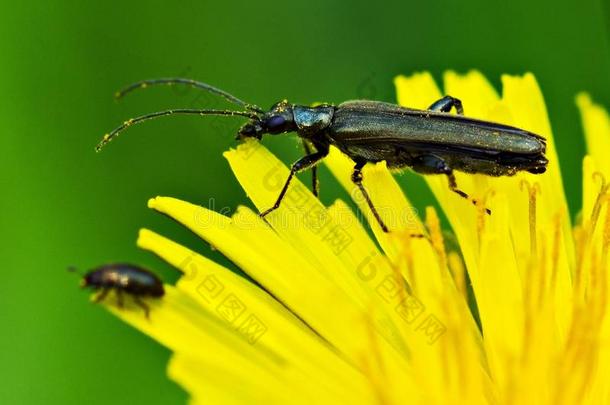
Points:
[[275, 123]]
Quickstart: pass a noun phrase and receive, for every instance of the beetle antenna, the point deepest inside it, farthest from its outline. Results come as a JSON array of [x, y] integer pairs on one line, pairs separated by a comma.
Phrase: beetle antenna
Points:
[[73, 269], [186, 111], [188, 82]]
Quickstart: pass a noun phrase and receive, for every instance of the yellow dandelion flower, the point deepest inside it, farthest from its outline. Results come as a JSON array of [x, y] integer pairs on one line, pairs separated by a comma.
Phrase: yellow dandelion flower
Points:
[[335, 317]]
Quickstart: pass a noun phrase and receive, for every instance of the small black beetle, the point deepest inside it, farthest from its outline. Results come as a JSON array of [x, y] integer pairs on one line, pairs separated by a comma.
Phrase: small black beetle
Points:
[[123, 278], [428, 141]]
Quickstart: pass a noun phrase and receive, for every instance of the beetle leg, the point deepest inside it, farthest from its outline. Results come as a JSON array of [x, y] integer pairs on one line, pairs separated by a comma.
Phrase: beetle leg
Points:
[[119, 298], [303, 163], [453, 187], [142, 305], [446, 103], [357, 179], [432, 164], [100, 297], [315, 184]]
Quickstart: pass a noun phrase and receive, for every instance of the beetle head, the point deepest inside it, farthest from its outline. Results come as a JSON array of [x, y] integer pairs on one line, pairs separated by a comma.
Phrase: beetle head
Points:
[[85, 278], [278, 120], [93, 279]]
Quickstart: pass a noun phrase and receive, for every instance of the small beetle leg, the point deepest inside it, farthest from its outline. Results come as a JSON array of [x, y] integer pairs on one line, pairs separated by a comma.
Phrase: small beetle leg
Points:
[[304, 163], [315, 184], [100, 297], [142, 305], [446, 103], [357, 179], [119, 298]]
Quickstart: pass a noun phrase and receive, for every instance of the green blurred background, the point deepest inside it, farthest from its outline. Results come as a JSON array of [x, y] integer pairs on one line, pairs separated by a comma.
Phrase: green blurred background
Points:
[[62, 204]]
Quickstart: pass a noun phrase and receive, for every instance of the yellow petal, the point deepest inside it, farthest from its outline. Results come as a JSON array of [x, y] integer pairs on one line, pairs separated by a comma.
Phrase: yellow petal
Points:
[[334, 319], [258, 317]]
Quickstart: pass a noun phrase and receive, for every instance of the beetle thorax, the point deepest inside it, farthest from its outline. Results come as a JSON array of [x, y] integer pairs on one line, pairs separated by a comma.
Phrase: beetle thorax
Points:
[[312, 120]]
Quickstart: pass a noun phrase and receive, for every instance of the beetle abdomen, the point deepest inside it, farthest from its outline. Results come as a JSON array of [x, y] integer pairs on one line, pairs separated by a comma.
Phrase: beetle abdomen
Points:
[[375, 121], [375, 131]]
